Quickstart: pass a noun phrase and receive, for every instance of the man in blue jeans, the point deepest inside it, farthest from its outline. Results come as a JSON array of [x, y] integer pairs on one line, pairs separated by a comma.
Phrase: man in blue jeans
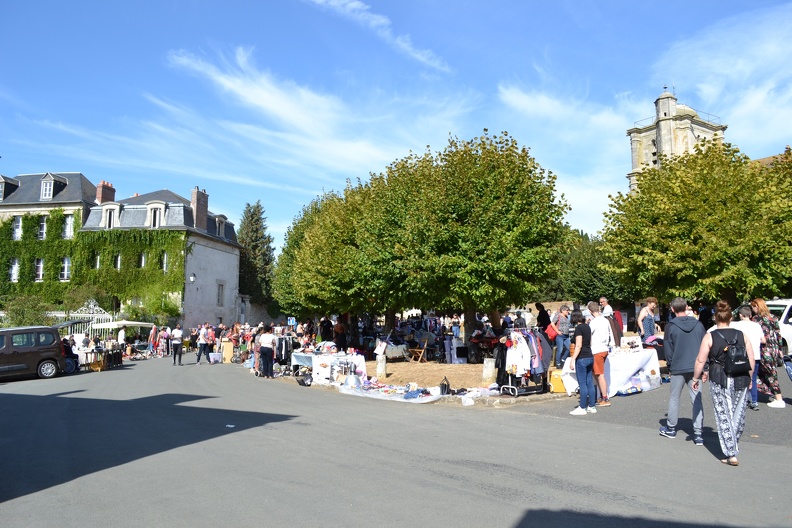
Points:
[[683, 337]]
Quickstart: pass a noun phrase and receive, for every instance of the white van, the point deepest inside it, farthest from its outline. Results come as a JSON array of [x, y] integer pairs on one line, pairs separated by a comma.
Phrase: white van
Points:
[[781, 309]]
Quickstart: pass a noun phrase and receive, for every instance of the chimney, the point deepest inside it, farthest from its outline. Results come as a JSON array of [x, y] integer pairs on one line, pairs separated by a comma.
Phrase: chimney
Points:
[[105, 192], [200, 208]]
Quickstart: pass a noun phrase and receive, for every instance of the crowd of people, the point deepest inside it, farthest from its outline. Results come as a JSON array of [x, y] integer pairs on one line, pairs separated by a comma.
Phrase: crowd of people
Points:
[[694, 355]]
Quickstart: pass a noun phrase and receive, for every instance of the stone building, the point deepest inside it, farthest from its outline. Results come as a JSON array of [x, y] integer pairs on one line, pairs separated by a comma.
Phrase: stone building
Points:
[[210, 263], [59, 231], [673, 130]]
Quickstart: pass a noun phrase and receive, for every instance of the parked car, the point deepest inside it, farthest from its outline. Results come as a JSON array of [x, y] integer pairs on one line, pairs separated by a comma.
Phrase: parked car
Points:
[[31, 350], [781, 309]]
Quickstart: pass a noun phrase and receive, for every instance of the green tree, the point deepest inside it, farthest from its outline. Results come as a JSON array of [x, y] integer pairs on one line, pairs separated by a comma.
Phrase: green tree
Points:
[[707, 224], [257, 256], [584, 277], [27, 310]]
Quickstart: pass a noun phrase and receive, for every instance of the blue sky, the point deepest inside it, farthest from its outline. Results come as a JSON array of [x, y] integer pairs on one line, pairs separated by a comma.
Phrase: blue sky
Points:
[[279, 100]]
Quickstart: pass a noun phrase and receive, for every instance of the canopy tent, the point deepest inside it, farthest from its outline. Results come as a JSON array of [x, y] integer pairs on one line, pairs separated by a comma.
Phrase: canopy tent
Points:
[[118, 324]]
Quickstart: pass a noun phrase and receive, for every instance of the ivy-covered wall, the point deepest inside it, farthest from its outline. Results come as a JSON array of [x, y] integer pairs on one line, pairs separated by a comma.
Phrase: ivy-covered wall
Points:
[[147, 283]]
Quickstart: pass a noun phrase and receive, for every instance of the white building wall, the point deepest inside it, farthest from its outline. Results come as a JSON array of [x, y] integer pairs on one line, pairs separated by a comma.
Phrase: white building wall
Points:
[[213, 264]]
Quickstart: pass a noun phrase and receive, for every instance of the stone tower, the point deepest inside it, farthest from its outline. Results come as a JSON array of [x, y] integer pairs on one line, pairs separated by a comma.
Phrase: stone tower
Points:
[[674, 130]]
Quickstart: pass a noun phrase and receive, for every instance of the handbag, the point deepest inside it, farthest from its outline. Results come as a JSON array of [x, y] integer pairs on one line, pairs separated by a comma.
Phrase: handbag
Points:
[[551, 332]]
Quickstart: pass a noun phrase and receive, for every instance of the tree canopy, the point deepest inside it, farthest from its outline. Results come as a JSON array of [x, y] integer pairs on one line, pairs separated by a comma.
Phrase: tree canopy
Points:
[[474, 227], [708, 224]]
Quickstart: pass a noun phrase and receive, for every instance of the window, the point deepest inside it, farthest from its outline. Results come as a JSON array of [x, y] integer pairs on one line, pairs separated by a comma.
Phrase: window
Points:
[[39, 276], [98, 261], [65, 272], [118, 261], [156, 218], [46, 190], [2, 194], [42, 231], [45, 338], [220, 227], [220, 294], [68, 226], [15, 270], [24, 340], [142, 260], [110, 223], [165, 262], [17, 233]]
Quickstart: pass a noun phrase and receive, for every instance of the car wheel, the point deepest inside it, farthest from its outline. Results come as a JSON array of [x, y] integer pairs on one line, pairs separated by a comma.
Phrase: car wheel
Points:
[[47, 369]]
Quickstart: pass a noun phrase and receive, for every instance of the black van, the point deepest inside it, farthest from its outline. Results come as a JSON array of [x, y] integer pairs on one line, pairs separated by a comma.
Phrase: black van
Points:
[[31, 350]]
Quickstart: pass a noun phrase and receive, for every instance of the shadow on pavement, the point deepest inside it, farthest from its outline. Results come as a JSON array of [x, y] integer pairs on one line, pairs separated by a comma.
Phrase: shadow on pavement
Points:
[[50, 440], [568, 519]]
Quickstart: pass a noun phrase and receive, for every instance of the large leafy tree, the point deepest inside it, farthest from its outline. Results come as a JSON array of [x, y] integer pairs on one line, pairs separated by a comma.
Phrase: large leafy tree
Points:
[[257, 256], [707, 224], [473, 227]]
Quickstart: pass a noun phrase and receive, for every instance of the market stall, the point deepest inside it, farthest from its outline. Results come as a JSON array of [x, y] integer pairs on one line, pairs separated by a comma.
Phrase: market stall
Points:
[[626, 368]]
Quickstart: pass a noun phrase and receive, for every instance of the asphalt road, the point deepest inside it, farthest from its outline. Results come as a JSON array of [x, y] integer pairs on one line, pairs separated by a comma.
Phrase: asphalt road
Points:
[[151, 445]]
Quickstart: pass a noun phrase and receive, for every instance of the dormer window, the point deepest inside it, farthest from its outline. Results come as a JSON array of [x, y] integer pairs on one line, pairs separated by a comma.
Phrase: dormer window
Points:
[[46, 189], [220, 221], [2, 190], [111, 215], [155, 214]]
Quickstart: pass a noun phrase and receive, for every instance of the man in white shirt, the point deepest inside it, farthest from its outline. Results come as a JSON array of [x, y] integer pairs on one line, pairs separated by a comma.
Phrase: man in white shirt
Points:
[[203, 343], [601, 341], [177, 340], [122, 339], [605, 308]]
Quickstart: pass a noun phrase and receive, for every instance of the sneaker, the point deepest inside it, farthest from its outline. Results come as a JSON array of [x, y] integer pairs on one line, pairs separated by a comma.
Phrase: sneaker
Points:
[[668, 433], [591, 410], [754, 406], [578, 411], [603, 402], [697, 440], [777, 404]]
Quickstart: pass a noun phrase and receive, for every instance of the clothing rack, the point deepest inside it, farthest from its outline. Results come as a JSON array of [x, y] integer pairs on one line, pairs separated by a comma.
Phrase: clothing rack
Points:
[[534, 380]]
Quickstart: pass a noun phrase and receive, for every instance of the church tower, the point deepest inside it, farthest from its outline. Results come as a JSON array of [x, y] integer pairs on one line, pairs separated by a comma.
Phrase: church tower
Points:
[[674, 130]]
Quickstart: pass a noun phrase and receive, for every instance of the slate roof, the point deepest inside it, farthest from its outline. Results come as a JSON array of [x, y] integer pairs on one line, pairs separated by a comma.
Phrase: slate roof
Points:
[[68, 187], [178, 215]]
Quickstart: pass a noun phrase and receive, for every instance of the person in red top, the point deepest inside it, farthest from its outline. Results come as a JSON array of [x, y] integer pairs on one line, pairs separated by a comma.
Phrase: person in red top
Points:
[[152, 339]]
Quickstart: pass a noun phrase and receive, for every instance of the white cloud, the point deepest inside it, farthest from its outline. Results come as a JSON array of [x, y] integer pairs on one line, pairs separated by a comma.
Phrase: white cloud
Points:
[[738, 69], [584, 143], [381, 25]]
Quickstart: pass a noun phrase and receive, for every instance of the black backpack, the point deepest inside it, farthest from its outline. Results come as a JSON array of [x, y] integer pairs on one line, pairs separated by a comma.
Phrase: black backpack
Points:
[[735, 357]]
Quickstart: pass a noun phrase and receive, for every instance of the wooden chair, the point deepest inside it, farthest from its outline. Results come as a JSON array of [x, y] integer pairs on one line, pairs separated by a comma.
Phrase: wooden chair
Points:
[[418, 354]]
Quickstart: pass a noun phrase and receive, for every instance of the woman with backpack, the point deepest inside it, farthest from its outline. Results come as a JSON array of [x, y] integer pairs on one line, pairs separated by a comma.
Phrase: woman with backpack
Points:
[[770, 352], [729, 391]]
